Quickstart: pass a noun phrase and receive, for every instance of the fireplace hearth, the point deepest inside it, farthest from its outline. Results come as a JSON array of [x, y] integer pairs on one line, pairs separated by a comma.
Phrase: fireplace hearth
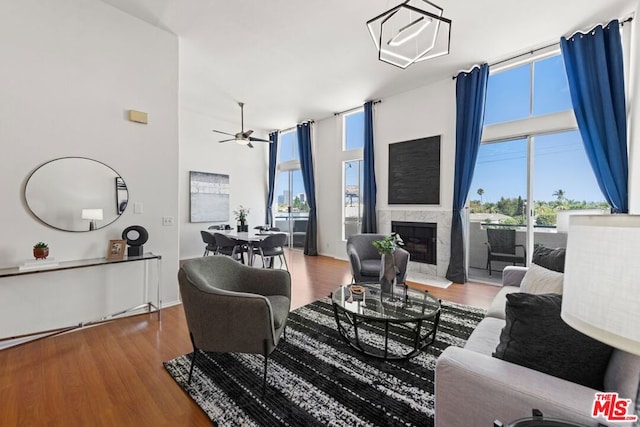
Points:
[[419, 238]]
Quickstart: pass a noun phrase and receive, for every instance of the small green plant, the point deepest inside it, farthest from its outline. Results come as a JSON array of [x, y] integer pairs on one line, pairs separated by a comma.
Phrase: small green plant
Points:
[[40, 245], [388, 244], [241, 213]]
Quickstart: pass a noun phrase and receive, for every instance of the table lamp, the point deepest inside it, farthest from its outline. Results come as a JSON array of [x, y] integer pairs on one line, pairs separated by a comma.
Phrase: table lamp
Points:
[[601, 294], [92, 215]]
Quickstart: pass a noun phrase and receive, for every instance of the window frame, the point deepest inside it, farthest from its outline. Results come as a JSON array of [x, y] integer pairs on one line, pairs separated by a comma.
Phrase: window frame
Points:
[[353, 112]]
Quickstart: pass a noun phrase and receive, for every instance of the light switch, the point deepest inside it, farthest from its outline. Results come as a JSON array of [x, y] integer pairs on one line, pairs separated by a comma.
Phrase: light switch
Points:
[[137, 208]]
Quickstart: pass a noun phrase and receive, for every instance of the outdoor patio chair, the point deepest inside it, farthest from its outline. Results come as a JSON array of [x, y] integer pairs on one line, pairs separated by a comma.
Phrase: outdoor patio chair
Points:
[[501, 246]]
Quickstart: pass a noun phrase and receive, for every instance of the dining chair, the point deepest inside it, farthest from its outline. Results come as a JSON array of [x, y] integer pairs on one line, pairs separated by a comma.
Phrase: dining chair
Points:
[[226, 245], [270, 247], [209, 241]]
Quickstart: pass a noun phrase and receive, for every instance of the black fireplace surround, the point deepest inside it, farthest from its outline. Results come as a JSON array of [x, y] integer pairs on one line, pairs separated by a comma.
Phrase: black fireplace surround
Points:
[[419, 239]]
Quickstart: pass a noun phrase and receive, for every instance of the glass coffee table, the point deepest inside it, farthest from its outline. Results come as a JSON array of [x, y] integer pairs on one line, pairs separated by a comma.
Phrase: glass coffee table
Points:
[[381, 326]]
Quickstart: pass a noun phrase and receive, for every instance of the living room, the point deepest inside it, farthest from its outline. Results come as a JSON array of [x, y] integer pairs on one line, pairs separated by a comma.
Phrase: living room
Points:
[[77, 68]]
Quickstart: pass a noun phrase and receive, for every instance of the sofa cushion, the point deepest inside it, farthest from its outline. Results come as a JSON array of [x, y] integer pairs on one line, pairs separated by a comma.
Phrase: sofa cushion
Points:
[[536, 337], [500, 301], [486, 336], [552, 259], [540, 280], [622, 374]]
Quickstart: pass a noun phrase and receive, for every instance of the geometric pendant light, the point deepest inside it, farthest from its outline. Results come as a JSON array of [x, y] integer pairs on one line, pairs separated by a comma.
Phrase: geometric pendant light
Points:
[[411, 32]]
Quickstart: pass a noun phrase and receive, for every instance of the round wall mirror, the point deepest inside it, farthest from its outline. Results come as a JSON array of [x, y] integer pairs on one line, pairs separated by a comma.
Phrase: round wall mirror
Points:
[[76, 194]]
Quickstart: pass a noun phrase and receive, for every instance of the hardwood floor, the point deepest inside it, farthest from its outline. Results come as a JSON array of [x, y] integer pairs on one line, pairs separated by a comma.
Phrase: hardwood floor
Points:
[[112, 374]]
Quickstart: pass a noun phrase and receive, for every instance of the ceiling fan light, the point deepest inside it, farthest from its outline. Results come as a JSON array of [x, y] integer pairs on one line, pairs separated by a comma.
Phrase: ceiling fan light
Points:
[[242, 141]]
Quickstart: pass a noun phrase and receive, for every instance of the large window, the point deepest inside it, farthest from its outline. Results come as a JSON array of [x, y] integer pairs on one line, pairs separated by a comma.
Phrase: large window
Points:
[[353, 130], [291, 206], [352, 144], [532, 158]]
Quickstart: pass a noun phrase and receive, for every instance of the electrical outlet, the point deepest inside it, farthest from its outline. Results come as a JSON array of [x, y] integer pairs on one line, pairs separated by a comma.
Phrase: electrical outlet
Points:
[[167, 221]]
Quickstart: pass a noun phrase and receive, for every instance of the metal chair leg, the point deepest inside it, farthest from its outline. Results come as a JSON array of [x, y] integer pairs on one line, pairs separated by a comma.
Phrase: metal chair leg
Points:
[[284, 258], [193, 359], [266, 360], [264, 378]]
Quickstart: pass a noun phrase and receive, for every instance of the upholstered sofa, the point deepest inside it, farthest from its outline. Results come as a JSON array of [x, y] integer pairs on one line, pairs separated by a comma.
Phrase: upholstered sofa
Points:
[[473, 388]]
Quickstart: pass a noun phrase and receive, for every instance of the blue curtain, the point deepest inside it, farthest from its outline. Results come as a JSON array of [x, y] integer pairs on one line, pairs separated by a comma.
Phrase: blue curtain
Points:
[[369, 221], [273, 160], [306, 166], [471, 89], [596, 81]]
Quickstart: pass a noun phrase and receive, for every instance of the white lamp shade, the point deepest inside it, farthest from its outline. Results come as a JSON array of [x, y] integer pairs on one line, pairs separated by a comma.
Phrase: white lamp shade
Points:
[[562, 219], [601, 295], [93, 214]]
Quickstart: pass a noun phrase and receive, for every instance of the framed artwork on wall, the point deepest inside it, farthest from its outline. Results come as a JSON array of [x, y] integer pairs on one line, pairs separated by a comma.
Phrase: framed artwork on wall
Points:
[[209, 197], [414, 172]]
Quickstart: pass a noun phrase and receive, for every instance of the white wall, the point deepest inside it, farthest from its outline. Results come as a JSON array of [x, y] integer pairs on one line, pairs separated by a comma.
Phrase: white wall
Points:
[[200, 151], [70, 71], [419, 113], [246, 167]]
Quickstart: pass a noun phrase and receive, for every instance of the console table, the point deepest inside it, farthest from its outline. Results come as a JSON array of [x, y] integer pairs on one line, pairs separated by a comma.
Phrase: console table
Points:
[[86, 263]]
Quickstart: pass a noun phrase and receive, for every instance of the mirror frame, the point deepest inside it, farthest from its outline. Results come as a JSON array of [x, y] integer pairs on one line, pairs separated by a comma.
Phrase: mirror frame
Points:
[[119, 185]]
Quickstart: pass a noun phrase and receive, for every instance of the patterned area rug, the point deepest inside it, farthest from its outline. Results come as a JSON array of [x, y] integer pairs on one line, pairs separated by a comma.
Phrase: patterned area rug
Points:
[[316, 379]]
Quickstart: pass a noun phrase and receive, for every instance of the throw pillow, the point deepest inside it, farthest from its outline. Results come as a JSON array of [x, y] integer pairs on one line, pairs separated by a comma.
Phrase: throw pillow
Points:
[[539, 280], [552, 259], [536, 337]]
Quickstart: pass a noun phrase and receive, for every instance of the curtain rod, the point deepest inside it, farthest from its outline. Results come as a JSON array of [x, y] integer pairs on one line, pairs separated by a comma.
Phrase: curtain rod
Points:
[[294, 127], [378, 101], [531, 52]]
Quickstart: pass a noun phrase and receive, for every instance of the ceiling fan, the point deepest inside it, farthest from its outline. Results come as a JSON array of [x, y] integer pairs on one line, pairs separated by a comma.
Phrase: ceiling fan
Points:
[[243, 137]]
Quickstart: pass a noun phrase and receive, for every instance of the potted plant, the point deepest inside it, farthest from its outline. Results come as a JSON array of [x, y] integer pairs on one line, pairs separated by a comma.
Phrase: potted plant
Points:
[[41, 250], [386, 247], [241, 218]]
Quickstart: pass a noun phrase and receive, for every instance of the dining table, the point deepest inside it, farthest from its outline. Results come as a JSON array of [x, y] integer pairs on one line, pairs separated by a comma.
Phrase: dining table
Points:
[[245, 238]]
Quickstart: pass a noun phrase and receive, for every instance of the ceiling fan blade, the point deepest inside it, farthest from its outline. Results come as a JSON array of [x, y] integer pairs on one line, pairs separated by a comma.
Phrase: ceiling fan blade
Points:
[[247, 133], [250, 145], [224, 133], [259, 140], [227, 140]]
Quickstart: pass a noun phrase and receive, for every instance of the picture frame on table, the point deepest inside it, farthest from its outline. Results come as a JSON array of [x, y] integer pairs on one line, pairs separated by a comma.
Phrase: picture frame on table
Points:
[[115, 250]]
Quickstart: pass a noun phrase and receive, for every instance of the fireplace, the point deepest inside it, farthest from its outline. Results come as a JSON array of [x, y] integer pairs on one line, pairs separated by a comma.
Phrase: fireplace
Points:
[[420, 239]]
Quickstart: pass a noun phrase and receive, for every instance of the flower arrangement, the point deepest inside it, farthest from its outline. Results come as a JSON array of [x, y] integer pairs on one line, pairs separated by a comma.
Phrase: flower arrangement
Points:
[[241, 213], [388, 244]]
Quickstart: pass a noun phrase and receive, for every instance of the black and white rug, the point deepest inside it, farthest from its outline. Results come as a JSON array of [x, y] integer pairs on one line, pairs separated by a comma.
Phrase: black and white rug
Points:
[[316, 379]]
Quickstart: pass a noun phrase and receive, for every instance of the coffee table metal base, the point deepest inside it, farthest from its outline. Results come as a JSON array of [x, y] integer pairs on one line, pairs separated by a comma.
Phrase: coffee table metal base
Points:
[[422, 333]]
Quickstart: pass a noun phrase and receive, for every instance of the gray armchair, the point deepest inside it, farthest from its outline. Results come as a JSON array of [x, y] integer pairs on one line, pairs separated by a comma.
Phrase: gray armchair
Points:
[[233, 308], [365, 259]]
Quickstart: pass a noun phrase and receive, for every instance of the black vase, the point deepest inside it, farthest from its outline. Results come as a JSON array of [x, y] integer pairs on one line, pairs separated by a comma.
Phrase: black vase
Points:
[[387, 274]]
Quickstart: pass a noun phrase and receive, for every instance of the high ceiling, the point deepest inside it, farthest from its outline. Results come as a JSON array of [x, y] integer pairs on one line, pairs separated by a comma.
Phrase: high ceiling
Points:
[[292, 60]]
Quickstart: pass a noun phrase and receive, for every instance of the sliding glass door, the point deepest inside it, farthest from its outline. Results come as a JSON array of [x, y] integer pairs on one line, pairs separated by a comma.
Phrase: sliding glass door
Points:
[[291, 207]]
